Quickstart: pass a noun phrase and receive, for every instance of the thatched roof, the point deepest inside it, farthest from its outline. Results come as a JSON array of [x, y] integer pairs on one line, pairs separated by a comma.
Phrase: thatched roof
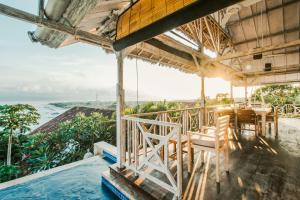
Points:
[[69, 115], [260, 26]]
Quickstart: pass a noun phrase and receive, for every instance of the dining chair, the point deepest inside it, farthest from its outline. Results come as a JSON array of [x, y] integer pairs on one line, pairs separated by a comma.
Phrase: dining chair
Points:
[[231, 114], [212, 139], [246, 117]]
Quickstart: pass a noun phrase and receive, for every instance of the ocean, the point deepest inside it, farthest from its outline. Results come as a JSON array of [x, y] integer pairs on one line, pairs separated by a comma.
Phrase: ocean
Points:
[[46, 111]]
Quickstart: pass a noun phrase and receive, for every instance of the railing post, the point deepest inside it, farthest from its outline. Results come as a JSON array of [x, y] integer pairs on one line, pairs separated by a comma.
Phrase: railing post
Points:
[[185, 122], [129, 140], [179, 164], [136, 147]]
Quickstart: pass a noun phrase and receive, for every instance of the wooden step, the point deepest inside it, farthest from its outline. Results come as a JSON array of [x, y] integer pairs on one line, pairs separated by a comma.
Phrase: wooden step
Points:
[[146, 187]]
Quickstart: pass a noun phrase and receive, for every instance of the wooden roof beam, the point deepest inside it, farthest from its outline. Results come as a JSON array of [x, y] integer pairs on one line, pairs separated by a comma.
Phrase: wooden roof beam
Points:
[[105, 43], [264, 12], [183, 15], [256, 51], [212, 38], [28, 17], [202, 58], [277, 70], [291, 30]]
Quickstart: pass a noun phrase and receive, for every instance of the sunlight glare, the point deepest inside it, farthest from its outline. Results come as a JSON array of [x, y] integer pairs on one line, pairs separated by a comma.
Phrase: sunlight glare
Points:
[[209, 53]]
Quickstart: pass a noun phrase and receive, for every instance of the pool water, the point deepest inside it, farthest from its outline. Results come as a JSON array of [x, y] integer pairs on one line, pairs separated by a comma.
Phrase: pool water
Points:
[[80, 182]]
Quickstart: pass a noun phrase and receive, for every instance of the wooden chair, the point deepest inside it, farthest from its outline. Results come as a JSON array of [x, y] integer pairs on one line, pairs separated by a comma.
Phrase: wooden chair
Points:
[[246, 117], [213, 139], [173, 141], [231, 114]]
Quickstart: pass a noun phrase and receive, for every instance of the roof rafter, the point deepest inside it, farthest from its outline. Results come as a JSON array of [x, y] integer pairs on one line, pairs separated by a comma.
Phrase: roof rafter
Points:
[[78, 34], [257, 50], [258, 14]]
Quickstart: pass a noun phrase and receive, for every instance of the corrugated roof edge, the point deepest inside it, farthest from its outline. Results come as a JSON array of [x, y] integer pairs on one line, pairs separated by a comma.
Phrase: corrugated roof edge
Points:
[[69, 13]]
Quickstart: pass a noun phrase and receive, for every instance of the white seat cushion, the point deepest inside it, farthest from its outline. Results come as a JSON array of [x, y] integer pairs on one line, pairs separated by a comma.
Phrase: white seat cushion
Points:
[[184, 139], [201, 140]]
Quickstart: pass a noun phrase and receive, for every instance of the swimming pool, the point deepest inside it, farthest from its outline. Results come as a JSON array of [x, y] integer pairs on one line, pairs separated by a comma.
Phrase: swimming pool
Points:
[[79, 182]]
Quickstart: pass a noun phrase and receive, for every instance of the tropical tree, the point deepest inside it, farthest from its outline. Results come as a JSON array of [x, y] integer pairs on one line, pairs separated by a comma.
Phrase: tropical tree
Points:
[[221, 99], [222, 96], [16, 119], [68, 143], [277, 94]]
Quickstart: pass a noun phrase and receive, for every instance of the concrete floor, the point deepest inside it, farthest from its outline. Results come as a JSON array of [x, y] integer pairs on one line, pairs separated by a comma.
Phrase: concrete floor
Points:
[[261, 168]]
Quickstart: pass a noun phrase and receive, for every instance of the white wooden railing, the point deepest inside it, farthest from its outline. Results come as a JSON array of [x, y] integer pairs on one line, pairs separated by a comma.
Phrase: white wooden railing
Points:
[[147, 150], [146, 138], [188, 118], [288, 109]]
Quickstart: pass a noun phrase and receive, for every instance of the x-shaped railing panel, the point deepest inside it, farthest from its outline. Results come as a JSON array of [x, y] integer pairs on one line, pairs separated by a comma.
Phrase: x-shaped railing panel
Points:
[[152, 158]]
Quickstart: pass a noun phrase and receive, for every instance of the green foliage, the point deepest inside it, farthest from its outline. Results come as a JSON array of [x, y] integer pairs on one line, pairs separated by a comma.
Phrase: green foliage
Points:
[[9, 172], [153, 107], [3, 145], [42, 151], [68, 143], [221, 99], [277, 94], [18, 117], [16, 155]]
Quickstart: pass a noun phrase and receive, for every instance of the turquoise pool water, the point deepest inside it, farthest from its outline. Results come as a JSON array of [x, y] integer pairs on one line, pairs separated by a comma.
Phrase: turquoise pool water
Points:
[[80, 182]]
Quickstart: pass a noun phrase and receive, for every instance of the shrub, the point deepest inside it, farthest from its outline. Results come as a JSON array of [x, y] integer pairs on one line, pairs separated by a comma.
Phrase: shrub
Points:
[[9, 172], [68, 143]]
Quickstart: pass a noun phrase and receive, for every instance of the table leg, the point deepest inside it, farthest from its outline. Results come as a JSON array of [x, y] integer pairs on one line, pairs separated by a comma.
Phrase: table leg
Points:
[[263, 124], [162, 152], [174, 147]]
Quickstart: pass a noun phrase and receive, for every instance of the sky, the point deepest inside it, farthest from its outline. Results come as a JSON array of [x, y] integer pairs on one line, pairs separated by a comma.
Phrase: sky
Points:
[[33, 72]]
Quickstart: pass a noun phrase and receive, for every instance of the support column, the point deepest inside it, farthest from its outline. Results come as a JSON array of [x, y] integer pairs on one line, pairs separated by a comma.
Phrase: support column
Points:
[[231, 93], [202, 102], [120, 112], [246, 92]]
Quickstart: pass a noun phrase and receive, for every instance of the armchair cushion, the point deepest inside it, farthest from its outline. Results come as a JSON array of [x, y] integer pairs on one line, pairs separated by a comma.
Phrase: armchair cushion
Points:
[[206, 141], [184, 139]]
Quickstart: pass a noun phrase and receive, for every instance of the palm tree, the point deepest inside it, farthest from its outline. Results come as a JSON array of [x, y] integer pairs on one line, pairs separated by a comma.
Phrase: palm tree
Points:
[[16, 119]]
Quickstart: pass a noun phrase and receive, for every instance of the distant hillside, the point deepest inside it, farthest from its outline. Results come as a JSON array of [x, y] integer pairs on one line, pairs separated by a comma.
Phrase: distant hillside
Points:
[[68, 115], [91, 104]]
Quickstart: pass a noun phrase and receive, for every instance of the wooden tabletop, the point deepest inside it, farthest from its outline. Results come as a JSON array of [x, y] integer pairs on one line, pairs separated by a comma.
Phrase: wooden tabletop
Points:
[[262, 110]]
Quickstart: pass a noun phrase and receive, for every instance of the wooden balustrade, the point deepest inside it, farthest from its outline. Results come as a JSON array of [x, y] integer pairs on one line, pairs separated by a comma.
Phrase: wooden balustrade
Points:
[[147, 150], [147, 142], [288, 110]]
